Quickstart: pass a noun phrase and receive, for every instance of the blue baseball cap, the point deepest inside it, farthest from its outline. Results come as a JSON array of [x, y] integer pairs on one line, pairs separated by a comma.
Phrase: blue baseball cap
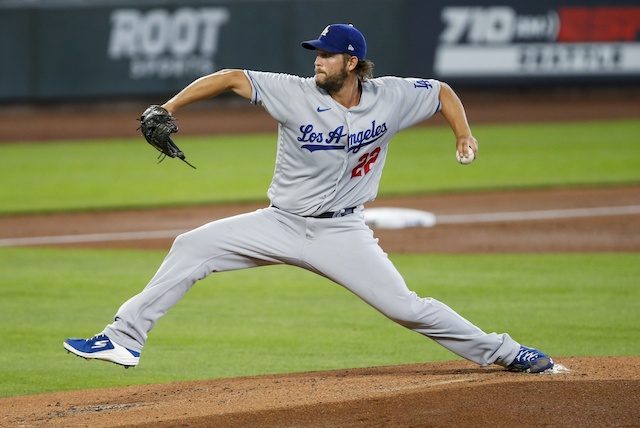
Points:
[[340, 38]]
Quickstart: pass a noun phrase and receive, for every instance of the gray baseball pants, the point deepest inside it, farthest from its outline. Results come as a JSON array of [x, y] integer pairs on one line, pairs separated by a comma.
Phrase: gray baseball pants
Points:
[[342, 249]]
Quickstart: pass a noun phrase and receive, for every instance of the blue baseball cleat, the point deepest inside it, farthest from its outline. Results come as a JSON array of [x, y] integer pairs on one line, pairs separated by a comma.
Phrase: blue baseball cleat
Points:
[[100, 347], [530, 360]]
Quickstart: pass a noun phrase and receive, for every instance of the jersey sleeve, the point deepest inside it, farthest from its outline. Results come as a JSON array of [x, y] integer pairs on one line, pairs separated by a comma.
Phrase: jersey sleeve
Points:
[[275, 92], [420, 99]]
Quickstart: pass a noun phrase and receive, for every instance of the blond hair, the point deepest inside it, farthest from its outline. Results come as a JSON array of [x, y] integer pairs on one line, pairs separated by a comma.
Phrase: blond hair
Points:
[[364, 69]]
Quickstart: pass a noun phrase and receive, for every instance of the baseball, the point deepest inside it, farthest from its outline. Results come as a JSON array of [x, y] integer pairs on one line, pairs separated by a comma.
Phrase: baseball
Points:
[[465, 161]]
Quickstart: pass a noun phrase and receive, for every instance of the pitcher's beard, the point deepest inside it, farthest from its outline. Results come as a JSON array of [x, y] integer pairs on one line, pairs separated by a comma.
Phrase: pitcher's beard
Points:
[[333, 83]]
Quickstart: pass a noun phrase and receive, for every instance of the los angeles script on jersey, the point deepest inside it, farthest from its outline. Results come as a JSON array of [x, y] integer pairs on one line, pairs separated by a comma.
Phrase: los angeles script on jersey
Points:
[[335, 139]]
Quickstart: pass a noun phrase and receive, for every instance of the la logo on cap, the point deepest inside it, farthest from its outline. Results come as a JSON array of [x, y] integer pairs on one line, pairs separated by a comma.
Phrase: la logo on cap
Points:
[[339, 38]]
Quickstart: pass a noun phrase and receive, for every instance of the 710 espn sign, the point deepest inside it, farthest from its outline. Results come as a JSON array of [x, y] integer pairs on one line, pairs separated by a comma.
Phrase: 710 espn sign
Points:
[[500, 42]]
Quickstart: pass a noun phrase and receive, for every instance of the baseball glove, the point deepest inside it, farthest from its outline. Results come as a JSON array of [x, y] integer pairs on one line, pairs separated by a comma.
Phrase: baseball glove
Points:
[[157, 125]]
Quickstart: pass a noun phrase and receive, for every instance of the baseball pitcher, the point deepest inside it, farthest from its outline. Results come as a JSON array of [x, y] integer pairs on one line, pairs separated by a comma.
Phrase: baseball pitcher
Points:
[[334, 130]]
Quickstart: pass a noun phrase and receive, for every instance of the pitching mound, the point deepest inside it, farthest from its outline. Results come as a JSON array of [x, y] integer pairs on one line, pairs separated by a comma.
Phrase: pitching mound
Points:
[[579, 392]]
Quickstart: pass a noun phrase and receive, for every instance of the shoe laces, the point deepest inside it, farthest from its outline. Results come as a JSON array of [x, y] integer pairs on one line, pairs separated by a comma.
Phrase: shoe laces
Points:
[[99, 335], [527, 355]]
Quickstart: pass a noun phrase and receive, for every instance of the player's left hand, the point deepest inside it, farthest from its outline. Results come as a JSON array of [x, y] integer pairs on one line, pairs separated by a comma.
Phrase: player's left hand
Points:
[[157, 125]]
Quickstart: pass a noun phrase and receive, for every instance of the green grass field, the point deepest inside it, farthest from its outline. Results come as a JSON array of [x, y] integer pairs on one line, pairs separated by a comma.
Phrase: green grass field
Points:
[[123, 173], [283, 319]]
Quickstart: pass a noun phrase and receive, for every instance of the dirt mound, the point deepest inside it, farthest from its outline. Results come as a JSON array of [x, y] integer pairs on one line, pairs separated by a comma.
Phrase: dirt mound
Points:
[[581, 391]]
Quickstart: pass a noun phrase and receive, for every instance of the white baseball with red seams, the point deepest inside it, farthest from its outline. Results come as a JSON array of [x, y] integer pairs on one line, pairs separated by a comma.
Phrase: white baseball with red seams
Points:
[[466, 160]]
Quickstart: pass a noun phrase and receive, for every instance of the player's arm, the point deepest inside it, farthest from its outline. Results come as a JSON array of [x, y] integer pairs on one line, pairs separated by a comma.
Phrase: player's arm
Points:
[[453, 112], [209, 87]]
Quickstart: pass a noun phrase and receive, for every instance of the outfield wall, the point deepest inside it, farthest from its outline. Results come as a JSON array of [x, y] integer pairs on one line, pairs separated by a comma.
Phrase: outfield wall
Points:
[[80, 49]]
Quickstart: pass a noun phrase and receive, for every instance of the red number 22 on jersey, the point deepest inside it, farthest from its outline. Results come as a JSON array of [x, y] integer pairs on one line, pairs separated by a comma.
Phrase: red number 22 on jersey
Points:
[[364, 163]]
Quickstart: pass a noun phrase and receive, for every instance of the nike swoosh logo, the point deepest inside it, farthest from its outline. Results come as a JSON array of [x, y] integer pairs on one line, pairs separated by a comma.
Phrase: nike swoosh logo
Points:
[[320, 110]]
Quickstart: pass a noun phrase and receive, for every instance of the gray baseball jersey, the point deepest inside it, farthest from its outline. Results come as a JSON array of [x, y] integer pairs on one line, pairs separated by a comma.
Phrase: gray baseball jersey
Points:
[[329, 159]]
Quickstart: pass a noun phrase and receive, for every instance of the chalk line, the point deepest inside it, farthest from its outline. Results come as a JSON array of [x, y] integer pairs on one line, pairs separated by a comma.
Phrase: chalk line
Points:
[[441, 219]]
